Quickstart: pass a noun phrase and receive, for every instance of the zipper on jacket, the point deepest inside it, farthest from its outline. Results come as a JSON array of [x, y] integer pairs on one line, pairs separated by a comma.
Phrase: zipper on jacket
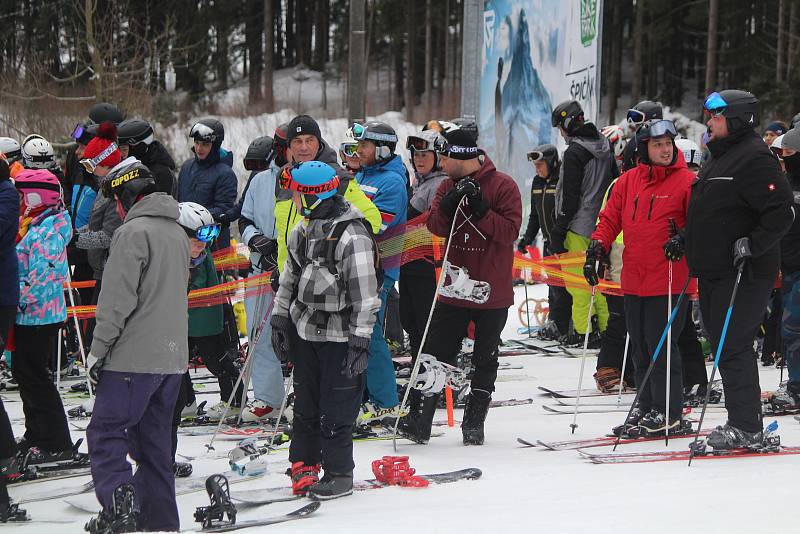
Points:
[[288, 223], [635, 206], [545, 232], [650, 210]]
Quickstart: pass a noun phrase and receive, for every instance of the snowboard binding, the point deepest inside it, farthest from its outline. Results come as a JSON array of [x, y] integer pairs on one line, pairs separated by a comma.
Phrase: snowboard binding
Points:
[[123, 518], [12, 513], [219, 495]]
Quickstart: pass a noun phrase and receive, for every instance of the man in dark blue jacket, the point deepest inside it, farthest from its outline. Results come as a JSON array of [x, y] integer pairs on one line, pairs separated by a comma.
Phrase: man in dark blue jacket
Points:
[[208, 177]]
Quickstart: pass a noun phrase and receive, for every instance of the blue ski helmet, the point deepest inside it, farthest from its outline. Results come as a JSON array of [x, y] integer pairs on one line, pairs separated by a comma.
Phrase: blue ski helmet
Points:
[[314, 180]]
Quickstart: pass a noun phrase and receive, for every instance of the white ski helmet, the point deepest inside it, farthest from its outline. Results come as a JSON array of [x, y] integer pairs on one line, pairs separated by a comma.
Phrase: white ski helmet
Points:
[[11, 149], [691, 152], [37, 153], [616, 136], [425, 141], [193, 216]]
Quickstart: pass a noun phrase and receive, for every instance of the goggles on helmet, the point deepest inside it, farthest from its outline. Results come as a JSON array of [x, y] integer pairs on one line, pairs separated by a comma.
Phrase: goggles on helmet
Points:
[[636, 117], [208, 233], [287, 182], [203, 133], [418, 144], [362, 133], [535, 155], [90, 164], [78, 131], [350, 150], [663, 127], [715, 105]]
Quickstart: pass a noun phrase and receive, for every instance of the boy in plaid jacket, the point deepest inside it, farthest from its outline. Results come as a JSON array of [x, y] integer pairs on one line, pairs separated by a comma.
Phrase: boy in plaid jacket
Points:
[[323, 317]]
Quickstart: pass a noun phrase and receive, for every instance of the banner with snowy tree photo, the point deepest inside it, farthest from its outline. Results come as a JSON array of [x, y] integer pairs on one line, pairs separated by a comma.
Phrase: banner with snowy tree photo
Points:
[[536, 53]]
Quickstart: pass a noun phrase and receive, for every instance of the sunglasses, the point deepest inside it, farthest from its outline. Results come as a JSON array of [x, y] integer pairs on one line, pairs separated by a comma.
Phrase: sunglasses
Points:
[[350, 150], [661, 128], [715, 105]]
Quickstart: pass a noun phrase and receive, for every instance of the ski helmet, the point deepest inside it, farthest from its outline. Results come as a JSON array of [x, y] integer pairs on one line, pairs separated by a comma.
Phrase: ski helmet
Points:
[[691, 152], [37, 153], [380, 133], [128, 187], [259, 154], [468, 125], [281, 143], [795, 121], [616, 136], [10, 149], [134, 131], [197, 221], [548, 153], [105, 112], [654, 130], [208, 130], [433, 124], [425, 141], [791, 140], [644, 111], [314, 180], [568, 115], [740, 108], [39, 187]]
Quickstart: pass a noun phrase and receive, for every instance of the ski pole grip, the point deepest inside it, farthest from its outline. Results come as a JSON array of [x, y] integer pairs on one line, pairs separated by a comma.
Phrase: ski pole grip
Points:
[[448, 399]]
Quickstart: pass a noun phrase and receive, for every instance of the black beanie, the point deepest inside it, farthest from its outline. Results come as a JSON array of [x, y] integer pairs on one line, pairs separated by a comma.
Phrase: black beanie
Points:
[[460, 144], [303, 125]]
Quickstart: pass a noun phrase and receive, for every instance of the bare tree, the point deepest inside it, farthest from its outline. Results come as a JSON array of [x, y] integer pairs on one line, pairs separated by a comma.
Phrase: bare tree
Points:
[[410, 46], [428, 60], [781, 41], [711, 47], [638, 31]]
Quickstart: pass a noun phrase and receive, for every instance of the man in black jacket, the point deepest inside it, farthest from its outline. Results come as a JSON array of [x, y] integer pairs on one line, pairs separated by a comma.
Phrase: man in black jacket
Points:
[[543, 200], [740, 208], [135, 138]]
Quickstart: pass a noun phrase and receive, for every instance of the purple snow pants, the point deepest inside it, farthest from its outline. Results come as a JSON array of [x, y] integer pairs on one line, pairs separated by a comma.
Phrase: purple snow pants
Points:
[[133, 415]]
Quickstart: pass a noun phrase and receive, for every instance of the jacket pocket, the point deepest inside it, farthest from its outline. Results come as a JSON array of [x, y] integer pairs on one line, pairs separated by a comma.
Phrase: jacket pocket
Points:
[[320, 289]]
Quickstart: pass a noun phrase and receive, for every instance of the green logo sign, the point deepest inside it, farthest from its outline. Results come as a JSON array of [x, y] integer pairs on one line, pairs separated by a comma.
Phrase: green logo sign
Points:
[[588, 21]]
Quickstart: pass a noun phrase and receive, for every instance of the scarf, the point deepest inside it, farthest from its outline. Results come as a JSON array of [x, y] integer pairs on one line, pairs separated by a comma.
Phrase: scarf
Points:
[[26, 217]]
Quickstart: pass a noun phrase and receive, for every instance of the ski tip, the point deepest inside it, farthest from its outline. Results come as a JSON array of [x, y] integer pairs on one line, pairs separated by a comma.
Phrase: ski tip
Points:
[[525, 442], [308, 509], [473, 473]]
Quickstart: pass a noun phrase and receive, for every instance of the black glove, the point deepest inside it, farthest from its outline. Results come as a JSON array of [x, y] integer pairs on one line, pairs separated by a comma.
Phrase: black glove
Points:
[[275, 280], [268, 248], [522, 245], [596, 253], [223, 219], [449, 203], [280, 336], [95, 368], [472, 190], [557, 236], [741, 252], [675, 247], [357, 356]]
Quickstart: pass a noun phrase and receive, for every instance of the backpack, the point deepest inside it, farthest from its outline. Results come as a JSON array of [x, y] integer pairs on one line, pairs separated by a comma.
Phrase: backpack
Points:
[[333, 239]]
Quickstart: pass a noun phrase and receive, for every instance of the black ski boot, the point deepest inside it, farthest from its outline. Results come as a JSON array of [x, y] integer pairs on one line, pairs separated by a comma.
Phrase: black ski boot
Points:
[[474, 416], [786, 398], [332, 486], [630, 428], [12, 513], [181, 469], [416, 426], [729, 437], [549, 332], [655, 424], [123, 518]]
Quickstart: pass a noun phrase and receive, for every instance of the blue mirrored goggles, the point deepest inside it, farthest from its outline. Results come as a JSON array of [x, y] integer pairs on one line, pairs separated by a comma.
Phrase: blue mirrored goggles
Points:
[[715, 104], [661, 128], [358, 131], [208, 233]]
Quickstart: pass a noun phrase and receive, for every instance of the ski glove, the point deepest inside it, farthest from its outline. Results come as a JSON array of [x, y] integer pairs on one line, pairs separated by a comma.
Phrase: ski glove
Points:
[[596, 253], [675, 247], [275, 280], [223, 219], [741, 251], [357, 356], [95, 367], [280, 336], [268, 248], [522, 245], [449, 203], [557, 236]]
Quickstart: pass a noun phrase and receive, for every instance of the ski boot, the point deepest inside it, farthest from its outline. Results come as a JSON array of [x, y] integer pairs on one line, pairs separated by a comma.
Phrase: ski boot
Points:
[[786, 398], [258, 411], [181, 469], [332, 486], [416, 425], [371, 413], [219, 495], [474, 416], [82, 410], [220, 409], [630, 428], [607, 379], [10, 468], [655, 423], [728, 437], [12, 513], [549, 332], [303, 476], [123, 518]]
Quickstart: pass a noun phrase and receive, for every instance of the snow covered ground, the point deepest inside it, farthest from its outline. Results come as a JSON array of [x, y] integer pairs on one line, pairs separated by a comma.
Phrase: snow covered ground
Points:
[[522, 489]]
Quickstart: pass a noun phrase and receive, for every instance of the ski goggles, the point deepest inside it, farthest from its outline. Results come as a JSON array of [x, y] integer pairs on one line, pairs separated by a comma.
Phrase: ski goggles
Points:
[[208, 233], [715, 105], [535, 155], [90, 164], [350, 150], [201, 132], [418, 144], [362, 133], [78, 131], [661, 128], [635, 117], [287, 182]]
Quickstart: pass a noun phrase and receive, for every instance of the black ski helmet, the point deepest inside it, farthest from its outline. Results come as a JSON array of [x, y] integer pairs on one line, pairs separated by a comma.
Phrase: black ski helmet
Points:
[[259, 154], [548, 153], [644, 111], [208, 130], [134, 131], [652, 130], [130, 186], [380, 133], [105, 112], [568, 115], [280, 143], [741, 109], [468, 125]]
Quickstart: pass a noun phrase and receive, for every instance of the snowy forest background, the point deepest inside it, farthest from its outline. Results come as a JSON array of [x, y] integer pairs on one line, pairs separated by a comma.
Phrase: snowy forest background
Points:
[[259, 61]]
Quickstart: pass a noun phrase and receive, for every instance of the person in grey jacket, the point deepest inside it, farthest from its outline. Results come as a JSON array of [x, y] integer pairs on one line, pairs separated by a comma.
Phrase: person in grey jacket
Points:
[[141, 351]]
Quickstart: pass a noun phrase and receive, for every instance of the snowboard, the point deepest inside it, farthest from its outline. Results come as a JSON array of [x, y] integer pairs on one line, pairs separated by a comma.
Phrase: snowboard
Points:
[[281, 494], [300, 513]]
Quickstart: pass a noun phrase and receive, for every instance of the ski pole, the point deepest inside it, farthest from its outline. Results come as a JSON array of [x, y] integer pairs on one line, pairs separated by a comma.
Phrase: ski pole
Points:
[[286, 387], [58, 359], [728, 314], [574, 423], [640, 387], [527, 302], [669, 349], [624, 363], [78, 333], [415, 368]]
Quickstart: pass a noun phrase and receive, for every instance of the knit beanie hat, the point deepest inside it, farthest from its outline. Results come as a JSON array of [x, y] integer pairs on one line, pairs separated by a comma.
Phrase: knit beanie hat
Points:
[[103, 148], [460, 144], [303, 125], [778, 127]]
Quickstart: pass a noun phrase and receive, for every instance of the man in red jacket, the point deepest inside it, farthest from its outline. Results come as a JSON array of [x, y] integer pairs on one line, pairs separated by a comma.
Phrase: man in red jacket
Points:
[[480, 211], [649, 204]]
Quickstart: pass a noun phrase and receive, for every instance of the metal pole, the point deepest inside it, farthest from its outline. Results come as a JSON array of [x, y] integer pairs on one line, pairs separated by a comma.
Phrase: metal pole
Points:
[[356, 79], [471, 54]]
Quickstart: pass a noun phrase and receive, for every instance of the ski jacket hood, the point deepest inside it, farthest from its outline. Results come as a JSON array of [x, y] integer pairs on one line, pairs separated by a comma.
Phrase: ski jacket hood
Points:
[[9, 226]]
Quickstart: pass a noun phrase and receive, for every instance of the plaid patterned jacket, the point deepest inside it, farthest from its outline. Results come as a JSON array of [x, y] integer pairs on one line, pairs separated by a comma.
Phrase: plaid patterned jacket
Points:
[[323, 306]]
